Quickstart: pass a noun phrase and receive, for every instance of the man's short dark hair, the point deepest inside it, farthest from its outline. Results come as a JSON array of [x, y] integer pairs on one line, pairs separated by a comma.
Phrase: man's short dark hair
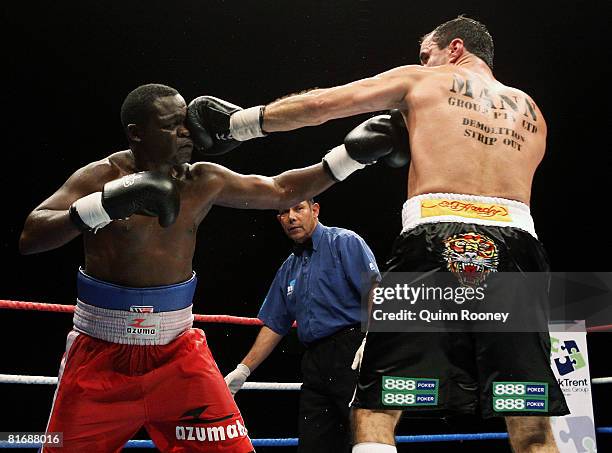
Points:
[[138, 104], [310, 202], [475, 36]]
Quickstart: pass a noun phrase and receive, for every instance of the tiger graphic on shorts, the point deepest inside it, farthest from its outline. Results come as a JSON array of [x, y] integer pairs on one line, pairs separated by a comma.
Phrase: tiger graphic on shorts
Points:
[[471, 257]]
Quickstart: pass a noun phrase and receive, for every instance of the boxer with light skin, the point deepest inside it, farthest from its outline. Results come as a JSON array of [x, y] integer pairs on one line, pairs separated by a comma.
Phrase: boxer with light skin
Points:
[[475, 144]]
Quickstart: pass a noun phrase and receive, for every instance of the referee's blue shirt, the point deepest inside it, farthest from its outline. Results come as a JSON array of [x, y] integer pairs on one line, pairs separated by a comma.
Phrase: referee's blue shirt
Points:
[[321, 288]]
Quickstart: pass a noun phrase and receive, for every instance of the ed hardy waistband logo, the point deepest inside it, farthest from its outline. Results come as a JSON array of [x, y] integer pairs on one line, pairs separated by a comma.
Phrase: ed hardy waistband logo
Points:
[[442, 207], [211, 433]]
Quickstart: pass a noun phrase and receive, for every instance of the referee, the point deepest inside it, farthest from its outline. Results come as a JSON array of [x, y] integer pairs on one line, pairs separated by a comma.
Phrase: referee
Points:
[[320, 285]]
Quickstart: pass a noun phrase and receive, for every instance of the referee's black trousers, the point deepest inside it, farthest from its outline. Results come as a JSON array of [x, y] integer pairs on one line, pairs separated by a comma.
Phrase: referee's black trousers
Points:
[[328, 386]]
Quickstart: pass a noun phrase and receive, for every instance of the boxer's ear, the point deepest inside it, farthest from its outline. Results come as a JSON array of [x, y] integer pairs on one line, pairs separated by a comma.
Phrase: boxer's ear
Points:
[[133, 133], [456, 49]]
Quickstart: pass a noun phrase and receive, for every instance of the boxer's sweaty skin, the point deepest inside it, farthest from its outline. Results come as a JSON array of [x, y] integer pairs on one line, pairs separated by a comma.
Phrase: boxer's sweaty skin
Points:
[[137, 252], [469, 133]]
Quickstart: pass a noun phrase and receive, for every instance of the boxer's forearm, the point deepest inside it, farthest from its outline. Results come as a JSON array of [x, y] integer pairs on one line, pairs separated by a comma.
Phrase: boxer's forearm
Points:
[[46, 229], [313, 108], [265, 343], [294, 112], [264, 192]]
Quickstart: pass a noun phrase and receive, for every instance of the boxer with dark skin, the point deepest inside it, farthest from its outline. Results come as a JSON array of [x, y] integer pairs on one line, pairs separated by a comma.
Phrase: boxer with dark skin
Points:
[[123, 251], [469, 135], [139, 211]]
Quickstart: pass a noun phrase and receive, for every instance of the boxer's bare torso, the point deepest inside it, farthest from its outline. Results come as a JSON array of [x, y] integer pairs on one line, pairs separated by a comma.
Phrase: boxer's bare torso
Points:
[[136, 251], [471, 134]]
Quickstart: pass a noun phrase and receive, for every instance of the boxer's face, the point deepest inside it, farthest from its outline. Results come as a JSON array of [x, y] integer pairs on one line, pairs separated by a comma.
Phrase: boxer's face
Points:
[[299, 221], [165, 137]]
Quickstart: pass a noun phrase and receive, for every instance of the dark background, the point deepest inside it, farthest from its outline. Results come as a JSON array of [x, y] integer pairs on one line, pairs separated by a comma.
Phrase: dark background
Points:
[[68, 66]]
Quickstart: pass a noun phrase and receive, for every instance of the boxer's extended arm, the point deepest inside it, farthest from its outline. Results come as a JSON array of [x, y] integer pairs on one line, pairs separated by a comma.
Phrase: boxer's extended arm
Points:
[[385, 91], [382, 136], [49, 225], [263, 192], [217, 125]]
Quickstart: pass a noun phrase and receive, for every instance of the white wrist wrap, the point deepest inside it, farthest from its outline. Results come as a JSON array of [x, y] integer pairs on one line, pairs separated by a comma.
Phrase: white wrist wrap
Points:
[[91, 212], [244, 369], [340, 163], [245, 124]]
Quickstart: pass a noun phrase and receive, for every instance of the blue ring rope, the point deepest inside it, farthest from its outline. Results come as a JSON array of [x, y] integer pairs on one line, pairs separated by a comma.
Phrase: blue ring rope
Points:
[[292, 442]]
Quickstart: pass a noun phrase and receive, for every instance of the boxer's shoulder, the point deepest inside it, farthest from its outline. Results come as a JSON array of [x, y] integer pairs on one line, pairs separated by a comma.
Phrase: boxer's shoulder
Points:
[[208, 175], [207, 171], [95, 174]]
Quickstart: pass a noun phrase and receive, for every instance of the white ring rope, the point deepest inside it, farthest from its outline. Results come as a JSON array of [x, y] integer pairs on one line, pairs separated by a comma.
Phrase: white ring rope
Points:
[[50, 380]]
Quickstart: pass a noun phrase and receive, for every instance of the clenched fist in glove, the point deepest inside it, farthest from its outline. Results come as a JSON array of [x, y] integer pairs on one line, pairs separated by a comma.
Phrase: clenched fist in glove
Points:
[[217, 126], [381, 137]]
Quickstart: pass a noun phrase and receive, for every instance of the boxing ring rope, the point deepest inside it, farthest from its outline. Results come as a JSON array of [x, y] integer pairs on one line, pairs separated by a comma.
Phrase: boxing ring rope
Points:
[[292, 442], [282, 386], [40, 306], [274, 386], [50, 380]]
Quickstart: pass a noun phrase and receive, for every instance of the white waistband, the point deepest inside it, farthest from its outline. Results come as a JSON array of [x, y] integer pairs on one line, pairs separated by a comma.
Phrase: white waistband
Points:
[[450, 207], [126, 327]]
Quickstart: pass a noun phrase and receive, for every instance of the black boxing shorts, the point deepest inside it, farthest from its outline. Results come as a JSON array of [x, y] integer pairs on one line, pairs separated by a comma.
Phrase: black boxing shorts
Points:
[[450, 373]]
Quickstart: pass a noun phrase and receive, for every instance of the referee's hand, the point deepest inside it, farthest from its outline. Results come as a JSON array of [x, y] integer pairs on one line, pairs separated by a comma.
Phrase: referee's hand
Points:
[[236, 379]]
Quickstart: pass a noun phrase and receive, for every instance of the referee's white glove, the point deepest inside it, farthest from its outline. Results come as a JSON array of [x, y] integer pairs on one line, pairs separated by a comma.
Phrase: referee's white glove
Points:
[[236, 379], [358, 356]]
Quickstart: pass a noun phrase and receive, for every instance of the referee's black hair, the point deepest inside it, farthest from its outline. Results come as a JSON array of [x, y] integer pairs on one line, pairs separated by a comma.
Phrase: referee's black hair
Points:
[[310, 202]]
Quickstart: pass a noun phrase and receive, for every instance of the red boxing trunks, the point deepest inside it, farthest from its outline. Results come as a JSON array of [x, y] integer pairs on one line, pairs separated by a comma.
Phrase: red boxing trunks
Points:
[[108, 390]]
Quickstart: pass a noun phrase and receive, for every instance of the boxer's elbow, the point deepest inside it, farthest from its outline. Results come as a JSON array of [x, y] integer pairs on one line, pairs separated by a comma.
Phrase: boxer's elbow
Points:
[[286, 195], [36, 237], [26, 245], [30, 244]]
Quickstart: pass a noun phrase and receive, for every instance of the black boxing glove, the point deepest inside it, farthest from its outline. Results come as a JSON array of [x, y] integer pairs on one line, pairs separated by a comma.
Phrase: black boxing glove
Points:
[[217, 126], [400, 155], [378, 137], [146, 193]]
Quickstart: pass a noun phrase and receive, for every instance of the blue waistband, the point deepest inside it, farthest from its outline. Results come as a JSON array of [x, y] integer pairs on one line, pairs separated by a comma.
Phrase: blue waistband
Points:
[[116, 297]]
